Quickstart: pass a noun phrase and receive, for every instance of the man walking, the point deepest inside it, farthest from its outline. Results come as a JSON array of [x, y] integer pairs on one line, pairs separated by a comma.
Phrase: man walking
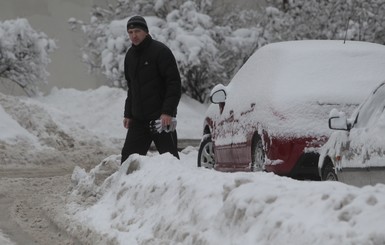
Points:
[[154, 91]]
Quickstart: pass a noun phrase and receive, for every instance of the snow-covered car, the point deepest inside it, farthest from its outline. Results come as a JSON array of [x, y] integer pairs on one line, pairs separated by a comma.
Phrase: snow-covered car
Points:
[[356, 153], [271, 115]]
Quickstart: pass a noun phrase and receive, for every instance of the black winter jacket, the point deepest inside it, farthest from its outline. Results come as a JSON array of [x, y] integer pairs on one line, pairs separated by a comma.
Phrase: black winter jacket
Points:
[[154, 84]]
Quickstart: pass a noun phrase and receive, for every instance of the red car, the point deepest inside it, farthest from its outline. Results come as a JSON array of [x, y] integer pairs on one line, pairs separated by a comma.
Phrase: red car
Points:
[[271, 115]]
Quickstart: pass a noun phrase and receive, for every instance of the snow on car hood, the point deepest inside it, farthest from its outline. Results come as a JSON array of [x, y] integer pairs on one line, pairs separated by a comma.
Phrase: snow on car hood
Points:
[[295, 84]]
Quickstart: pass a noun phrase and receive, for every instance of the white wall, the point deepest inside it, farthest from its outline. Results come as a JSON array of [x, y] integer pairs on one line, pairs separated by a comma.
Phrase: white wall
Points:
[[50, 16]]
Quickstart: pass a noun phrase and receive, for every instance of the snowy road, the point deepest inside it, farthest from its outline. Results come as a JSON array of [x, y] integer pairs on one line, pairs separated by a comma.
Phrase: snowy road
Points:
[[27, 198]]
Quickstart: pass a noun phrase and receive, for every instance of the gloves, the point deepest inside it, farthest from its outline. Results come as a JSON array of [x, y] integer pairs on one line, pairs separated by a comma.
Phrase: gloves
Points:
[[156, 126]]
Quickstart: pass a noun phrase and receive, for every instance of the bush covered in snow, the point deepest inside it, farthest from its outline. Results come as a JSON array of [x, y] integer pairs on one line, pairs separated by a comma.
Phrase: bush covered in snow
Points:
[[24, 54]]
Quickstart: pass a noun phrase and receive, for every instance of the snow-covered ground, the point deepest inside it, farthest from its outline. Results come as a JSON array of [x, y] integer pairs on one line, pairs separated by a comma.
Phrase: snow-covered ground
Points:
[[165, 201], [157, 199], [4, 240]]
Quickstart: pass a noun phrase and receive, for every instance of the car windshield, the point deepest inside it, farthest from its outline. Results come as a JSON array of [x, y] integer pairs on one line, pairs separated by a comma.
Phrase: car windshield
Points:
[[372, 109]]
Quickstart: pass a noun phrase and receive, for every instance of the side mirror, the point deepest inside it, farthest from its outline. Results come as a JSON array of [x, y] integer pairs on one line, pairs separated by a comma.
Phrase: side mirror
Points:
[[218, 97], [338, 123], [218, 94]]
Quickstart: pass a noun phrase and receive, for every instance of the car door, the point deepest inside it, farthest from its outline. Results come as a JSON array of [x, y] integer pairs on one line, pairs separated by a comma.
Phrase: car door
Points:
[[231, 130], [244, 126], [367, 135], [222, 135]]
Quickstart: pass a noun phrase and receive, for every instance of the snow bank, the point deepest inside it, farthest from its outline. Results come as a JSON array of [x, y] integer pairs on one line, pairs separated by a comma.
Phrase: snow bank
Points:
[[161, 200]]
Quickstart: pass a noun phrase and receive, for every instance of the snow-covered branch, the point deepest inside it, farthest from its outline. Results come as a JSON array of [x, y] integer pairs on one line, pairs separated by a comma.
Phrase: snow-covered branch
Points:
[[24, 54]]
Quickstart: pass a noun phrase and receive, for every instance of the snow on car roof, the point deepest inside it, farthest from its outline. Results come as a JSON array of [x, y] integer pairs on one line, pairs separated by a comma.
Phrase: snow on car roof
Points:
[[325, 70], [292, 80]]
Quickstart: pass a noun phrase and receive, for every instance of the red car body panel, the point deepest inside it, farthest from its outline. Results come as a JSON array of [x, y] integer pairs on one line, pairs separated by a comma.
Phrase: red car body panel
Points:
[[288, 153], [283, 153], [232, 157]]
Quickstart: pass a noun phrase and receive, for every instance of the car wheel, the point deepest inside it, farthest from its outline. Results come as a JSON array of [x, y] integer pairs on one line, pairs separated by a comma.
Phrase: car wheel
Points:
[[328, 172], [257, 154], [206, 157]]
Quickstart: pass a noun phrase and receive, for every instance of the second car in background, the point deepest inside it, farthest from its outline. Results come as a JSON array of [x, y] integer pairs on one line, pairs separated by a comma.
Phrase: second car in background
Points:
[[356, 153]]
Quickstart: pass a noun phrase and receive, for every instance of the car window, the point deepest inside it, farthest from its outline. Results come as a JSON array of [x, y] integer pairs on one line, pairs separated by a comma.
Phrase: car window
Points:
[[372, 109]]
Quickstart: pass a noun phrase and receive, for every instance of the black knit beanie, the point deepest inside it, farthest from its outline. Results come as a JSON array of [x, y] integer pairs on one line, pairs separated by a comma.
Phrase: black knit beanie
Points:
[[137, 22]]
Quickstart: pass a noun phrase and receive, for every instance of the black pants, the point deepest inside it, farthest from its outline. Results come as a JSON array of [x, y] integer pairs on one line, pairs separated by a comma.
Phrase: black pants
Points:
[[139, 138]]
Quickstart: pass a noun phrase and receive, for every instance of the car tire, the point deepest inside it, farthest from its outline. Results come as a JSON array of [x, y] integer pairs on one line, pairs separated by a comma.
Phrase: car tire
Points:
[[328, 172], [258, 155], [206, 156]]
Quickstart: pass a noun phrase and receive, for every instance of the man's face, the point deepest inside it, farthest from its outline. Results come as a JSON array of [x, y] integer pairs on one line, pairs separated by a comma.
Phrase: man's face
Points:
[[136, 35]]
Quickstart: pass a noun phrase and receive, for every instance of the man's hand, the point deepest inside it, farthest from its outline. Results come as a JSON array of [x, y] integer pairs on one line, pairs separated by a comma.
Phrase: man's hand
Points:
[[165, 123], [165, 119], [126, 122]]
